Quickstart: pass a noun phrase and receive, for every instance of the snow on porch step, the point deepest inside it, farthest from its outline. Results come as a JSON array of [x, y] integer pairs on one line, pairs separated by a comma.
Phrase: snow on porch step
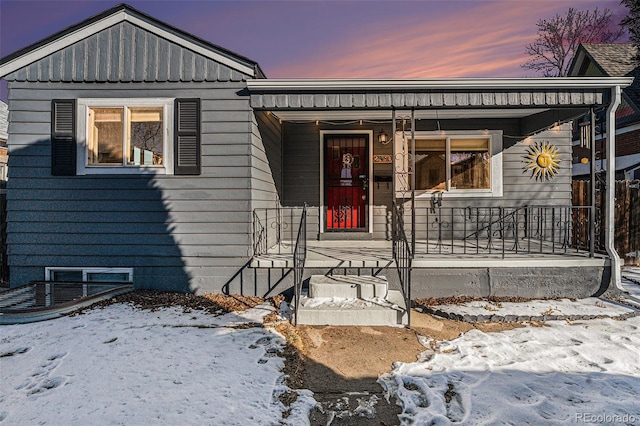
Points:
[[347, 286], [351, 300]]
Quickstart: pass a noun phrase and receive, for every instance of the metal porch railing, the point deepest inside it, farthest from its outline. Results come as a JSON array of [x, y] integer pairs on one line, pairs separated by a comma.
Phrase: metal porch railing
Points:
[[504, 230], [274, 229], [403, 258]]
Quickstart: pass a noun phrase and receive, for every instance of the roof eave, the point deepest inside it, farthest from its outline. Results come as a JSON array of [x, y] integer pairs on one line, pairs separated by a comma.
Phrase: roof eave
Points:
[[438, 84]]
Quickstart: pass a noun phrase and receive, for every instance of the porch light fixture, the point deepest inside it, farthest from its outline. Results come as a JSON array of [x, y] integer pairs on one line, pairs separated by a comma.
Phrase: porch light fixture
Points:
[[383, 138]]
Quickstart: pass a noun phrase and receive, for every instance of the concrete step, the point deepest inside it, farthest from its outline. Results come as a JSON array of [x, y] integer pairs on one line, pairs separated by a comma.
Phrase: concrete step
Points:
[[347, 286], [388, 311]]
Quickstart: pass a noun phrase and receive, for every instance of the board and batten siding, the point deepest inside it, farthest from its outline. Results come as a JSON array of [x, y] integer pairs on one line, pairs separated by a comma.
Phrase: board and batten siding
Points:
[[301, 170], [125, 53], [187, 233]]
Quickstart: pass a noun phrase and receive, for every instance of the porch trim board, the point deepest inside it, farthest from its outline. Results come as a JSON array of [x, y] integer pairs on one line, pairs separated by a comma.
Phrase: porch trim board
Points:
[[556, 261]]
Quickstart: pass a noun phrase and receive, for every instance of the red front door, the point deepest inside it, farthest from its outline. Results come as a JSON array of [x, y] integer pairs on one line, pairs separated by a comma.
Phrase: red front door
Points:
[[346, 169]]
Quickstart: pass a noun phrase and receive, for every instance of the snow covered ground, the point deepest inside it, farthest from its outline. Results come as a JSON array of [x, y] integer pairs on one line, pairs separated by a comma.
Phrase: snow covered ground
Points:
[[585, 372], [631, 281], [539, 308], [121, 365]]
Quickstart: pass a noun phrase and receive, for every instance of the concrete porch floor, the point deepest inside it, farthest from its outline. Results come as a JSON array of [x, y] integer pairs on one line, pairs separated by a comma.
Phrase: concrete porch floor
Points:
[[378, 254], [331, 254]]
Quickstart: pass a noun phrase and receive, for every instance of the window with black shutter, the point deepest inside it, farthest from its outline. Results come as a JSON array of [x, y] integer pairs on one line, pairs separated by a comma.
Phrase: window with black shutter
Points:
[[63, 137], [187, 137], [138, 135]]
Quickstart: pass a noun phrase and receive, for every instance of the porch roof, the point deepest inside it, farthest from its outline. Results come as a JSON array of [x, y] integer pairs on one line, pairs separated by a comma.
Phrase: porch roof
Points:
[[493, 93]]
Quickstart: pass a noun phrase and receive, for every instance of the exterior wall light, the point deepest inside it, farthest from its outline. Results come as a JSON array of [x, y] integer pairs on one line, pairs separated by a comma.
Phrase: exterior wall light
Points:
[[383, 138]]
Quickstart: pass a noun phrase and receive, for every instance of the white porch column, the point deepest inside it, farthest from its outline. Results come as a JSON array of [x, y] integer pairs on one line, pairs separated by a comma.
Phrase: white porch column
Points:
[[611, 188]]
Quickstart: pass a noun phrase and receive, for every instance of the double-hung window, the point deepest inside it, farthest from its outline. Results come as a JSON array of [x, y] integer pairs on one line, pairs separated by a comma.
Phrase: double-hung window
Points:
[[125, 135], [460, 163]]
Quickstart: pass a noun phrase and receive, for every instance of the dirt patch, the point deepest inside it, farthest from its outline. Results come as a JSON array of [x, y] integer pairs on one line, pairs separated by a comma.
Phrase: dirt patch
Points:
[[445, 329], [346, 353], [460, 300], [342, 366], [211, 303]]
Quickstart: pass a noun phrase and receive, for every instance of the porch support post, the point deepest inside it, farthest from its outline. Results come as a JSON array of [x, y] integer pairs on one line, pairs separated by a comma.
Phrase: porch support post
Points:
[[413, 181], [611, 187], [592, 199], [394, 171]]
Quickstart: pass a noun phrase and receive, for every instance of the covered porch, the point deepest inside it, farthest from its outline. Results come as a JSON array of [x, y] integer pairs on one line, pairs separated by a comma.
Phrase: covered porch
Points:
[[447, 180]]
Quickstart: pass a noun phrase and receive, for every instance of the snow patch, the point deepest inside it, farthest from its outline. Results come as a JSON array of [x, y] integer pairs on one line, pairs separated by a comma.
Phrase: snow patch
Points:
[[130, 366], [532, 375]]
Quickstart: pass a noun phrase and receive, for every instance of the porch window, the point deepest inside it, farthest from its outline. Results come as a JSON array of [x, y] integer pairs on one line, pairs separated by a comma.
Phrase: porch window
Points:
[[470, 166], [458, 163]]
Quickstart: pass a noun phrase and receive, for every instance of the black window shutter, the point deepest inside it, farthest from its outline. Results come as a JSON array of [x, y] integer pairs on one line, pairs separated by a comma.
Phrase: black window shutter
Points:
[[187, 137], [63, 137]]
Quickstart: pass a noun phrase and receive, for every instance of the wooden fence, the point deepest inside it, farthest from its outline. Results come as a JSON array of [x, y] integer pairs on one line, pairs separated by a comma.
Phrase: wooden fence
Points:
[[627, 217]]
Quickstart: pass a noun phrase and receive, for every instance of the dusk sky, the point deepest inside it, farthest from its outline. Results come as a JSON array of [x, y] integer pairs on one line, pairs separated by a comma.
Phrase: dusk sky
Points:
[[332, 39]]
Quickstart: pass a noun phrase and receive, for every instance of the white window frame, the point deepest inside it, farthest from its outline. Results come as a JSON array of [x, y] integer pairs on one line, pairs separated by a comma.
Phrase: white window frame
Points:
[[84, 168], [88, 270], [403, 146]]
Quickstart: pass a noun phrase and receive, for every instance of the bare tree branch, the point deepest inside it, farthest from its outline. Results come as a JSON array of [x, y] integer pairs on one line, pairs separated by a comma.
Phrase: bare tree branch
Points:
[[632, 23], [559, 37]]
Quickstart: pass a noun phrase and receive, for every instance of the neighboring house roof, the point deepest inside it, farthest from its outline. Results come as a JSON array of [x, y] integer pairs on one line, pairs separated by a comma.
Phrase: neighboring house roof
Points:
[[616, 60], [4, 122], [113, 16], [611, 60]]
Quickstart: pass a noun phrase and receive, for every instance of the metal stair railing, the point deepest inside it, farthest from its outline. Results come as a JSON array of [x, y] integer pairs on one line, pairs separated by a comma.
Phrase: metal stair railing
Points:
[[403, 257], [299, 258]]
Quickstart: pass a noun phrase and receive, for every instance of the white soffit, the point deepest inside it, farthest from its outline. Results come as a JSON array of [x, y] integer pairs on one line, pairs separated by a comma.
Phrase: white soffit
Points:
[[382, 115]]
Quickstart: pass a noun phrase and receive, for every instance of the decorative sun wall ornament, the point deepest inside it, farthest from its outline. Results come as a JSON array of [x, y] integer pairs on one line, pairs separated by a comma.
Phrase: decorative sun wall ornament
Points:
[[542, 160]]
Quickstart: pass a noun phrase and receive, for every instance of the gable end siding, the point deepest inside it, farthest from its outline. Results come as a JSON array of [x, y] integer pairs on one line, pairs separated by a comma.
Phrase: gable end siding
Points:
[[125, 53]]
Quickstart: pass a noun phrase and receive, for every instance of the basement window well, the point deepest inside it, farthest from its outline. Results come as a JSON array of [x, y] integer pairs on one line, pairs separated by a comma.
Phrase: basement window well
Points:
[[124, 275]]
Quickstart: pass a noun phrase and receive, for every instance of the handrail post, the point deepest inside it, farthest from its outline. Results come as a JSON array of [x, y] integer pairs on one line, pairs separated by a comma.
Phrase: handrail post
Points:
[[394, 172], [592, 177]]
